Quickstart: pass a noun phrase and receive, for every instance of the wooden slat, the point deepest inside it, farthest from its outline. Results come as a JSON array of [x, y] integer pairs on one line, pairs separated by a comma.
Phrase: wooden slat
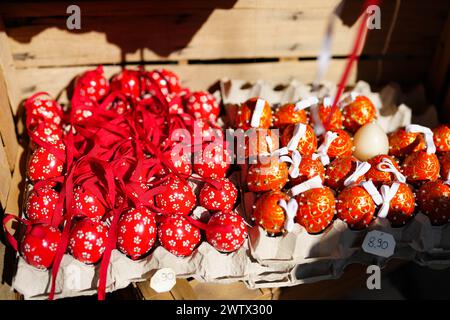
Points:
[[221, 29], [8, 69], [232, 291], [5, 177], [17, 186]]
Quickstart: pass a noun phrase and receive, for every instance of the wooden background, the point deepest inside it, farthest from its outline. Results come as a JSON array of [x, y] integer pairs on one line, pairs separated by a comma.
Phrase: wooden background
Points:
[[204, 41]]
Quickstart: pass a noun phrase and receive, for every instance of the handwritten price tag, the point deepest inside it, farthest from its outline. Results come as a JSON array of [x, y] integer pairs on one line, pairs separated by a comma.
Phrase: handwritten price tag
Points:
[[163, 280], [379, 243]]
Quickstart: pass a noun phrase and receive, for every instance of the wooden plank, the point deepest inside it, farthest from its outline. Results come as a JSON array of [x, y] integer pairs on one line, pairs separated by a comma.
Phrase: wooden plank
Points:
[[17, 186], [7, 68], [248, 29], [7, 129], [183, 290], [5, 177]]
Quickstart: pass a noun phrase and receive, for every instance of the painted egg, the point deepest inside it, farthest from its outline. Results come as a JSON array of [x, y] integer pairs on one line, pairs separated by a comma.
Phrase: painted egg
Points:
[[342, 146], [339, 170], [92, 84], [402, 206], [420, 167], [226, 231], [441, 137], [245, 114], [316, 209], [331, 118], [265, 177], [355, 207], [307, 143], [267, 212], [402, 143], [219, 199], [87, 240], [41, 204], [44, 165], [286, 114], [178, 236], [357, 113], [203, 105], [39, 245], [87, 204], [178, 197], [433, 199], [213, 162], [380, 177]]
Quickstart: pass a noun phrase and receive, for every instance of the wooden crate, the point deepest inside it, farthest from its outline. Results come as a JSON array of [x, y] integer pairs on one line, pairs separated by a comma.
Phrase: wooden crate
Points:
[[204, 41]]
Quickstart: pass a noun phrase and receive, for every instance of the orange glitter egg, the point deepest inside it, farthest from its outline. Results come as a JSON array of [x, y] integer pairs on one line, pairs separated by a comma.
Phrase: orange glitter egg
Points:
[[308, 168], [245, 113], [265, 177], [342, 146], [441, 137], [444, 161], [378, 176], [339, 170], [433, 199], [355, 207], [331, 119], [286, 115], [420, 167], [316, 209], [307, 144], [402, 143], [402, 206]]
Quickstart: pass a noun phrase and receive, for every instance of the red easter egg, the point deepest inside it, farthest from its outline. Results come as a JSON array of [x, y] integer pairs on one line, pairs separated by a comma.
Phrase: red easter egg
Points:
[[226, 231], [265, 177], [245, 114], [47, 132], [87, 240], [308, 142], [267, 212], [81, 112], [316, 209], [342, 146], [378, 176], [444, 161], [207, 132], [309, 168], [219, 199], [213, 162], [136, 232], [87, 204], [180, 157], [402, 143], [178, 236], [202, 105], [128, 82], [39, 245], [41, 204], [339, 170], [358, 113], [331, 118], [92, 84], [286, 115], [43, 110], [402, 206], [178, 197], [421, 167], [433, 199], [441, 137], [44, 165], [355, 207]]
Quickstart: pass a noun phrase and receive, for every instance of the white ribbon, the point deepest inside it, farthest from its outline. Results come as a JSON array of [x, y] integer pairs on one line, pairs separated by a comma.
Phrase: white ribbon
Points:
[[313, 183], [373, 191], [361, 169], [322, 151], [257, 113], [306, 103], [295, 160], [299, 132], [348, 98], [388, 193], [415, 128], [327, 102], [318, 125], [269, 143], [290, 208], [386, 165]]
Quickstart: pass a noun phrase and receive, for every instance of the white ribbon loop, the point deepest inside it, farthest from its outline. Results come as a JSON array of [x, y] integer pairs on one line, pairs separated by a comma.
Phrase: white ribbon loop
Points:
[[290, 208], [361, 169], [295, 160], [322, 151], [388, 193], [415, 128], [306, 103], [257, 113], [313, 183], [386, 165], [348, 98], [373, 191], [299, 132]]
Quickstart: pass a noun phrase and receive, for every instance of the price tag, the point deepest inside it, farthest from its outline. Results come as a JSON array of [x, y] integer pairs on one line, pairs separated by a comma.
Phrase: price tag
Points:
[[379, 243], [163, 280]]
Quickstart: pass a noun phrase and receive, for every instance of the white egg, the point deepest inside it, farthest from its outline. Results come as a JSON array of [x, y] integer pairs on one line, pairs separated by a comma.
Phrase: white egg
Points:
[[370, 140]]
